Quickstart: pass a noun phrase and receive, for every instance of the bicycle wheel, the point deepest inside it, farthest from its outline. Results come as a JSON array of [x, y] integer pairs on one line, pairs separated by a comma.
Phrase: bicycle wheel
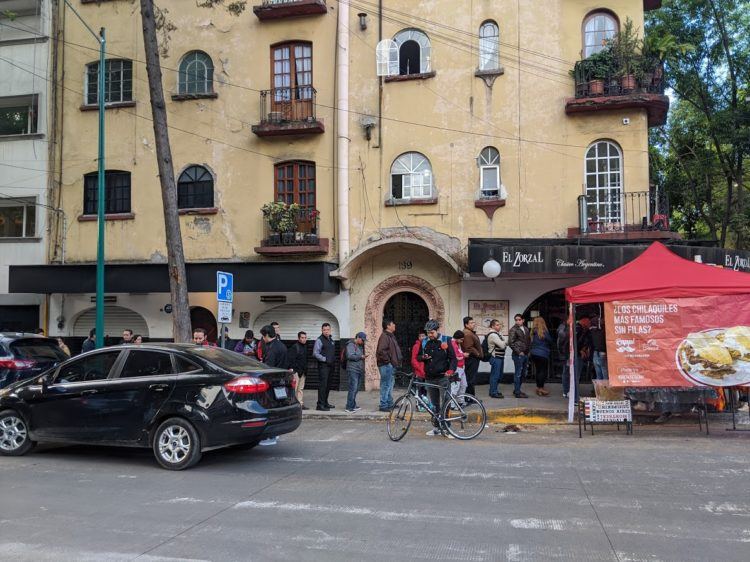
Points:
[[464, 416], [399, 418]]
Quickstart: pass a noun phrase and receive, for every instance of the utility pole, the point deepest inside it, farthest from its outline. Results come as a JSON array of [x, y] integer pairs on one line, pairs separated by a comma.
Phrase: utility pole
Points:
[[101, 95], [175, 253]]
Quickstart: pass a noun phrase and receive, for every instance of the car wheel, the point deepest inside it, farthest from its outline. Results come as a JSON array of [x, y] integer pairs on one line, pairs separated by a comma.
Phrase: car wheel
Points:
[[177, 444], [14, 434]]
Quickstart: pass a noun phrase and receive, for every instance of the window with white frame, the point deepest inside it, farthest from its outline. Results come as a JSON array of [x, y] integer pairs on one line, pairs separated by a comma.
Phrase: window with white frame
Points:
[[414, 52], [603, 172], [489, 46], [196, 74], [118, 81], [411, 177], [17, 217], [19, 115], [490, 186], [598, 28]]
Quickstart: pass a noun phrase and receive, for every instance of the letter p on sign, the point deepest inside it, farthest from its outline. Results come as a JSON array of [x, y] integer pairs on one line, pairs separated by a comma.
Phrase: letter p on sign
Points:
[[224, 286]]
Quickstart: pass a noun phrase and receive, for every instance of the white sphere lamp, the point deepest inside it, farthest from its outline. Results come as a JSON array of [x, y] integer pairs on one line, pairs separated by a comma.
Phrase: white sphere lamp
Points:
[[491, 268]]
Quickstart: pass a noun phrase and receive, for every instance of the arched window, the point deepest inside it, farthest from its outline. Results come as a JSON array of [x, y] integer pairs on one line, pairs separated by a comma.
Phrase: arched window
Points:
[[603, 172], [489, 46], [598, 27], [414, 51], [195, 189], [411, 177], [196, 74], [490, 185]]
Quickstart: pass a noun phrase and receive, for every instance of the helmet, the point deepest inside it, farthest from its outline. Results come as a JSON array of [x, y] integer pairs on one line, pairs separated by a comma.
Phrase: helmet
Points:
[[431, 325]]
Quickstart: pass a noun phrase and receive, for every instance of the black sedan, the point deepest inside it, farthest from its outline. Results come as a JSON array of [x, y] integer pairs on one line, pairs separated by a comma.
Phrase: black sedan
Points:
[[178, 399]]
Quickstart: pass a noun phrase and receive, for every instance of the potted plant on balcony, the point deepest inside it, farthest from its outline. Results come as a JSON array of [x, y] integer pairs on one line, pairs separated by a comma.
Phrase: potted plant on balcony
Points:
[[274, 214], [288, 224], [592, 72], [625, 48], [312, 236]]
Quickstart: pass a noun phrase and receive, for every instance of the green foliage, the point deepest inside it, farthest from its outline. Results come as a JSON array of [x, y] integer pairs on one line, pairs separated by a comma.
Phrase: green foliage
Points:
[[280, 216], [625, 47], [598, 66]]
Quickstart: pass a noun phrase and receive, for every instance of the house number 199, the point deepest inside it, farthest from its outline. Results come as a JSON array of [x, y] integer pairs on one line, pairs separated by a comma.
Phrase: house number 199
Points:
[[402, 265]]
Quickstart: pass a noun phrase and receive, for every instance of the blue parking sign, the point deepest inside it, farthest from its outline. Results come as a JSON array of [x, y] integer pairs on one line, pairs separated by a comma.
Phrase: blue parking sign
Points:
[[224, 286]]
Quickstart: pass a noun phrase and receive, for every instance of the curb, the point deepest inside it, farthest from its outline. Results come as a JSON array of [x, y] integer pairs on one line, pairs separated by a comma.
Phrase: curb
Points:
[[528, 416]]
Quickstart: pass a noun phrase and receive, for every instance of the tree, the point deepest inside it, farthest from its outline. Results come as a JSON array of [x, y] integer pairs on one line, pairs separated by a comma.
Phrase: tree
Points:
[[701, 158], [152, 21]]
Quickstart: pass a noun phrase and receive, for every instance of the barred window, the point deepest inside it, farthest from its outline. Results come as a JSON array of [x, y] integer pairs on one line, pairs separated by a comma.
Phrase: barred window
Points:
[[195, 188], [116, 192]]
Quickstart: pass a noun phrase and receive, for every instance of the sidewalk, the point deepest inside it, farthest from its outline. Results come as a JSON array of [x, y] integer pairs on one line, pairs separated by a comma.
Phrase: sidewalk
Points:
[[532, 410]]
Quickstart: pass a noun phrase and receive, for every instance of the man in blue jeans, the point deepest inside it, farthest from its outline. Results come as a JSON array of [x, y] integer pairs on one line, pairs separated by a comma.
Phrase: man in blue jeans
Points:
[[355, 367], [519, 341], [389, 358], [496, 347]]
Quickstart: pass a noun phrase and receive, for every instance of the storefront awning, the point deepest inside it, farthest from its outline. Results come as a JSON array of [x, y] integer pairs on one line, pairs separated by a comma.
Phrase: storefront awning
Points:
[[562, 257], [304, 277]]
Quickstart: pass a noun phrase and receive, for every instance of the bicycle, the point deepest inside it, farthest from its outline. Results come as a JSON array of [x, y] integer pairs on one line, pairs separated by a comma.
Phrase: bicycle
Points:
[[462, 416]]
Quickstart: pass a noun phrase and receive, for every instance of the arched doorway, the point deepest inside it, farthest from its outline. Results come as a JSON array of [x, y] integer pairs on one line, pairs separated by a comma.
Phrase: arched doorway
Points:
[[203, 318], [409, 311]]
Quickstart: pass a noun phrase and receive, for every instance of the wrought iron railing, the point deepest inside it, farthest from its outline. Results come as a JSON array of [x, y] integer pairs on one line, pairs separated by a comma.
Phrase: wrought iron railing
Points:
[[603, 211], [285, 105], [305, 233], [267, 3], [591, 82]]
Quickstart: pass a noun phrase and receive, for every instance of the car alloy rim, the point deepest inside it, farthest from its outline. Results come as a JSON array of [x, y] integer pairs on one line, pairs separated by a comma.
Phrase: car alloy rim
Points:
[[12, 433], [174, 444]]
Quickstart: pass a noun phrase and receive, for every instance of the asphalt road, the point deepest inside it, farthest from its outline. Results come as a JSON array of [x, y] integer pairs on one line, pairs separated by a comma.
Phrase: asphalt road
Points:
[[342, 491]]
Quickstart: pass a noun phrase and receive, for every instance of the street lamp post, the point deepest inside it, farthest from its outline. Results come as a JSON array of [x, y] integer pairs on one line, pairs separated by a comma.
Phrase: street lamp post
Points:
[[101, 39]]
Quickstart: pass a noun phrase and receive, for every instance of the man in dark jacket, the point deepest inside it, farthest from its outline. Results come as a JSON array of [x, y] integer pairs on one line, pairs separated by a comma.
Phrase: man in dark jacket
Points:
[[389, 358], [297, 358], [274, 352], [324, 352], [89, 344], [473, 347], [519, 341], [440, 365]]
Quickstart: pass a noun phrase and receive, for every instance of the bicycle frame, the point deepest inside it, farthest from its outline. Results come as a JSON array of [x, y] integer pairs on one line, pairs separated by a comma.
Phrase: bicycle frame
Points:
[[444, 395]]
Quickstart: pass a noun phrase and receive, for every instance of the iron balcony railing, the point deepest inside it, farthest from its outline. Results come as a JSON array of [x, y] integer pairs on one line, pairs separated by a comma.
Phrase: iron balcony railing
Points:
[[590, 82], [611, 210], [305, 234], [269, 3], [285, 105]]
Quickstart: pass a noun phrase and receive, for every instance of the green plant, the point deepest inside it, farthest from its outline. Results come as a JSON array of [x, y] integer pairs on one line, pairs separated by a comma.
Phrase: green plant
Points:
[[598, 66], [274, 213], [625, 47], [290, 218]]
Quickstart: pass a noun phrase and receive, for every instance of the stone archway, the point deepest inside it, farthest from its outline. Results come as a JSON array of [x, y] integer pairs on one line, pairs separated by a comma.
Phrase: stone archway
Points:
[[374, 315]]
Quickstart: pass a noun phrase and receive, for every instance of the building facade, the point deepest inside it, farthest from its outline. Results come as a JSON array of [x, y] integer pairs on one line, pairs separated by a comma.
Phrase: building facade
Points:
[[26, 131]]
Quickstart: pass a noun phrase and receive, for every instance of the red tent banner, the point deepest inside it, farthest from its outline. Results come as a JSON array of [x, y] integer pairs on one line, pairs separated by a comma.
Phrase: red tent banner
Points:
[[680, 342]]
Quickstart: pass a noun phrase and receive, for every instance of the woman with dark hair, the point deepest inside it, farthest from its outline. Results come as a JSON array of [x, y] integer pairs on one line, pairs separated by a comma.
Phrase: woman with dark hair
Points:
[[247, 345], [138, 338]]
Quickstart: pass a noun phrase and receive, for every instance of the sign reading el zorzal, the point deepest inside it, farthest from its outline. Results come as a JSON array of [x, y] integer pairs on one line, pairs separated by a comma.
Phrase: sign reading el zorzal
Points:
[[679, 342]]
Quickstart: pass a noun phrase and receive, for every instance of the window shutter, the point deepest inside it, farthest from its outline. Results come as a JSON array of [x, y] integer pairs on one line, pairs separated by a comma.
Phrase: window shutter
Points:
[[386, 56]]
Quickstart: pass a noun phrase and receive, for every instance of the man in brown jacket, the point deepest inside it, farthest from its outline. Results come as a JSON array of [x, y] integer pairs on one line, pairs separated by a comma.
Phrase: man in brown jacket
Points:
[[519, 341], [473, 347], [389, 358]]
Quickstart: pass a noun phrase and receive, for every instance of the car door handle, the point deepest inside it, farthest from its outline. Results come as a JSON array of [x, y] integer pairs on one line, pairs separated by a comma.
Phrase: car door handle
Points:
[[88, 392], [158, 387]]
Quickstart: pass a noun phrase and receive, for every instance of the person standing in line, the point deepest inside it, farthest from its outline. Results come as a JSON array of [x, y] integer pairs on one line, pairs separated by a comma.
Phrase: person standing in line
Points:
[[473, 347], [541, 349], [138, 339], [297, 357], [127, 336], [89, 344], [584, 347], [459, 387], [324, 352], [355, 367], [519, 341], [440, 365], [247, 345], [563, 350], [496, 347], [388, 357], [277, 329], [599, 347], [61, 344], [200, 338], [417, 365], [275, 351]]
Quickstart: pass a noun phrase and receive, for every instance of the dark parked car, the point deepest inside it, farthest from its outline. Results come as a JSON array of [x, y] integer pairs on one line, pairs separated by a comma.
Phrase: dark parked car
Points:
[[178, 399], [24, 356]]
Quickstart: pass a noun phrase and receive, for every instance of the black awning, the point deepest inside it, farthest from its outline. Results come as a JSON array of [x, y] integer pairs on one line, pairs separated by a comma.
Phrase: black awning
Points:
[[555, 256], [249, 277]]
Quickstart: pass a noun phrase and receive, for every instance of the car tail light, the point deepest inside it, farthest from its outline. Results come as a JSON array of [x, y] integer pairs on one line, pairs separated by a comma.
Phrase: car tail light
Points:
[[16, 364], [246, 385]]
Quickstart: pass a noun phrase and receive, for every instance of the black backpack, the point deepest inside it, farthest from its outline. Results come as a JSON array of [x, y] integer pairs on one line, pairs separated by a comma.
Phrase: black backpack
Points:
[[486, 356]]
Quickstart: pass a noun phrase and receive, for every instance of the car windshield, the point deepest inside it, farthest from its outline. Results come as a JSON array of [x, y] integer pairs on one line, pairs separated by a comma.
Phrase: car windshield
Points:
[[229, 360], [38, 350]]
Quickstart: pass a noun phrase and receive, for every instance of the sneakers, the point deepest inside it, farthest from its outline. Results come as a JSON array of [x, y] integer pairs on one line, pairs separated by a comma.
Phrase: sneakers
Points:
[[433, 432], [352, 410], [565, 394]]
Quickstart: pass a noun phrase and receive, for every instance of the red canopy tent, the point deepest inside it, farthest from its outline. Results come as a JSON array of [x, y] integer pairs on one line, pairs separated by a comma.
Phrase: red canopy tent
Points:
[[656, 273], [659, 272]]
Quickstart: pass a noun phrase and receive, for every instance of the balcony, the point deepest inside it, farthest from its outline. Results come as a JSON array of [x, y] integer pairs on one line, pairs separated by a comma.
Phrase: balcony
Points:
[[611, 90], [278, 9], [490, 200], [301, 240], [612, 214], [288, 111]]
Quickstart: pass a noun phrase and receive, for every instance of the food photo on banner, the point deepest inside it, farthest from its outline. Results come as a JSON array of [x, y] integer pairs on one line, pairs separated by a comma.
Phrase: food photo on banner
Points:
[[671, 323]]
